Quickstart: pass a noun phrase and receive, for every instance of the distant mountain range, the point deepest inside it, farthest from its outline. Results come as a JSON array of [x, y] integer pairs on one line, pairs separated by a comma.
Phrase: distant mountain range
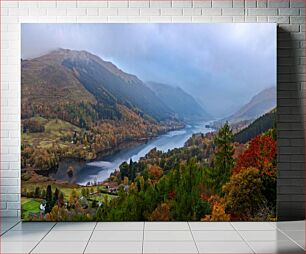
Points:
[[67, 81], [175, 98], [259, 104]]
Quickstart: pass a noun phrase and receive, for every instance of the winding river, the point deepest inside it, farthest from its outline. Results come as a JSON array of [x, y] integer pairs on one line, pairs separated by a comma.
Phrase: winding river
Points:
[[100, 170]]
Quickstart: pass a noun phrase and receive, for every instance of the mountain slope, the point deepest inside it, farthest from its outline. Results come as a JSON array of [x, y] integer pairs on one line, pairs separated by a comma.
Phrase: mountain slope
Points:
[[75, 105], [260, 104], [72, 79], [51, 91], [260, 125], [98, 75], [180, 102], [41, 79]]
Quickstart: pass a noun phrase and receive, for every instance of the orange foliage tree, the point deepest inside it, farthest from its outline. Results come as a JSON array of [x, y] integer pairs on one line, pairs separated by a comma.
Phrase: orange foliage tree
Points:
[[155, 172], [161, 213], [218, 210]]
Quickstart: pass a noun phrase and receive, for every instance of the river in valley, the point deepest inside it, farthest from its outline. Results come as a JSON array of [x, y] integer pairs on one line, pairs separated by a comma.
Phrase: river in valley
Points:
[[100, 170]]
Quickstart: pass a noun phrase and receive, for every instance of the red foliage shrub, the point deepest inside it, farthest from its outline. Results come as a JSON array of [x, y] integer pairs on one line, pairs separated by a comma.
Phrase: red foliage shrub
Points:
[[260, 154]]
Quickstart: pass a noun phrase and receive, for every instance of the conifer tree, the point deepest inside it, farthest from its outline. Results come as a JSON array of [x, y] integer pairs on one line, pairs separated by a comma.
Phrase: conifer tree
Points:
[[55, 196], [48, 199], [223, 161]]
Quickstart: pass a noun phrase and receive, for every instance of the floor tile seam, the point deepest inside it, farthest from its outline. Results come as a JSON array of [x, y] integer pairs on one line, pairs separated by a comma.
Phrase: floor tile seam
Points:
[[10, 228], [42, 238], [244, 240], [291, 239], [274, 225], [93, 230], [193, 238], [143, 231]]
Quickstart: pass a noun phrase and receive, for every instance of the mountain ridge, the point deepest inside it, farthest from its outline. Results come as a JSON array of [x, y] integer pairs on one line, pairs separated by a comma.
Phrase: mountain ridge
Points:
[[259, 104], [179, 101], [90, 79]]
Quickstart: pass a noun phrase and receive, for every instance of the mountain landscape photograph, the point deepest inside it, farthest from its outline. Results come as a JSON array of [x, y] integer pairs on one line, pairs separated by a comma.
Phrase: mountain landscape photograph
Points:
[[148, 122]]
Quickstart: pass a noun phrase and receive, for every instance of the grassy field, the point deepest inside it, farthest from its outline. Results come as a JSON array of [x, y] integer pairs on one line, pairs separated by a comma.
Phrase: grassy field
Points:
[[32, 204], [56, 125], [54, 130], [67, 190], [29, 205]]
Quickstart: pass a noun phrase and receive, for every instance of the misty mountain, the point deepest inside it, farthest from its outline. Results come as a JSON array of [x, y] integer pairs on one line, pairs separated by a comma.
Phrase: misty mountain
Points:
[[259, 104], [88, 79], [180, 102]]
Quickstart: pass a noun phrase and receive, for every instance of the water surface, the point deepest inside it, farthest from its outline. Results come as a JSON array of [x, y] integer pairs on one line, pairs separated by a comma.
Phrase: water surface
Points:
[[100, 170]]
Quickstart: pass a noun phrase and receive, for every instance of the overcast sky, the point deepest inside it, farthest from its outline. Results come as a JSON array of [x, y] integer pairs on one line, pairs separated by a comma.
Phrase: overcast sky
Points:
[[222, 65]]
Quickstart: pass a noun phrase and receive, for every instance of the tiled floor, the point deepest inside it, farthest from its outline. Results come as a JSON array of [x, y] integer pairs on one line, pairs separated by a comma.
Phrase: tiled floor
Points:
[[152, 237]]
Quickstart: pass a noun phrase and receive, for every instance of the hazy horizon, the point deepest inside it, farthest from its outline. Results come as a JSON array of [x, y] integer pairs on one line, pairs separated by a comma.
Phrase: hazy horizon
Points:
[[221, 65]]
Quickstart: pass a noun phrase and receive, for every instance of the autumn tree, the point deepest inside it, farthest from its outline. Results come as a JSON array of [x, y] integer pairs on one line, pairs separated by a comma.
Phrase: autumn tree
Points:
[[155, 172], [161, 213], [58, 214], [61, 200], [218, 214], [126, 180], [243, 193], [73, 197], [218, 210], [261, 154]]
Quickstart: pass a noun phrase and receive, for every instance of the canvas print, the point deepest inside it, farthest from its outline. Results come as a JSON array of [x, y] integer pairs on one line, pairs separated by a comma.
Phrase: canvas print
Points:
[[148, 122]]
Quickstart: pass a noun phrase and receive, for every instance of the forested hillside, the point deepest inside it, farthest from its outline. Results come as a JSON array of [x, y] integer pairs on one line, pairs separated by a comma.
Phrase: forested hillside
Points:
[[260, 125], [76, 105], [82, 88], [204, 180]]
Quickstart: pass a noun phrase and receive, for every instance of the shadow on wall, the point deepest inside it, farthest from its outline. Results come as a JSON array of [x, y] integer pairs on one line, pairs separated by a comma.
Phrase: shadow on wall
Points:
[[290, 127]]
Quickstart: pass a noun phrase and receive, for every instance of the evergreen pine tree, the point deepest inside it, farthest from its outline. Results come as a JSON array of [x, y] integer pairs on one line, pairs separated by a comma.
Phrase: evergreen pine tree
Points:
[[132, 172], [223, 161], [55, 196], [48, 199]]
